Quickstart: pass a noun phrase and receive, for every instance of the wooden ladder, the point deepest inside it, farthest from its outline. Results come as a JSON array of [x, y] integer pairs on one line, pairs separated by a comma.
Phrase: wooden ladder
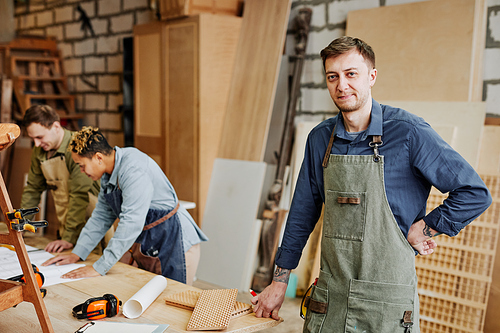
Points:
[[13, 293]]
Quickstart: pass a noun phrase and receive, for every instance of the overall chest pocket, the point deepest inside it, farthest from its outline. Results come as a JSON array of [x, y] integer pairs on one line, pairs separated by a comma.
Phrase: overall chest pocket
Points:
[[345, 215]]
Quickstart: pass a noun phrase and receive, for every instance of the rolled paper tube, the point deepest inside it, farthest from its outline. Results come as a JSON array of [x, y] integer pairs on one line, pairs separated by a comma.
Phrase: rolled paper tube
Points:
[[142, 299]]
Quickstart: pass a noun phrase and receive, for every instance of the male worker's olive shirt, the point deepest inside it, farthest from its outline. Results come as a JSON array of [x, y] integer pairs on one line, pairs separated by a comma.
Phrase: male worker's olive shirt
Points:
[[79, 185], [415, 158]]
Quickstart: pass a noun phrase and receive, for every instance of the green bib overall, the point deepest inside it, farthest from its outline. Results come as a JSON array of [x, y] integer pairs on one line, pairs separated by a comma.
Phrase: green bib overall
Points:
[[367, 279]]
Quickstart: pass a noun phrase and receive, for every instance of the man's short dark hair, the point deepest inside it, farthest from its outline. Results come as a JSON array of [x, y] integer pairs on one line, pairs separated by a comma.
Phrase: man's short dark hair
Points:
[[40, 114], [345, 44]]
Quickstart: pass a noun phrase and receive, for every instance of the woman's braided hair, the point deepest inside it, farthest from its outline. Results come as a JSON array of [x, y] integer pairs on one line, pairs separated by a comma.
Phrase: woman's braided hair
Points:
[[89, 141]]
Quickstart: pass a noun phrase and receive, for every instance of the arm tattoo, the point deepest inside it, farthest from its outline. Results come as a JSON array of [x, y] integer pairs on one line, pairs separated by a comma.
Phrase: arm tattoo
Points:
[[427, 232], [281, 275]]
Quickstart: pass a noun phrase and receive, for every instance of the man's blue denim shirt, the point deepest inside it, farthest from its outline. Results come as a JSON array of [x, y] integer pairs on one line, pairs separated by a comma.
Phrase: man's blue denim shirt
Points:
[[415, 158]]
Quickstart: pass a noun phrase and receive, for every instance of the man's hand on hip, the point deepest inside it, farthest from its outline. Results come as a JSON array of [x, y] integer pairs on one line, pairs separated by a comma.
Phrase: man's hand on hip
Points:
[[419, 236]]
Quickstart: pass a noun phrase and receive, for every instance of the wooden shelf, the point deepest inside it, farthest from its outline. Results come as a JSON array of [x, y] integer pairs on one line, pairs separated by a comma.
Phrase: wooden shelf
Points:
[[35, 65], [39, 78]]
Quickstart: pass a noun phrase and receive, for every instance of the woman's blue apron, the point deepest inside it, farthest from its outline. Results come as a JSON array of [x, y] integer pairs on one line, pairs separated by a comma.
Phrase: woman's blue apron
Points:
[[159, 248]]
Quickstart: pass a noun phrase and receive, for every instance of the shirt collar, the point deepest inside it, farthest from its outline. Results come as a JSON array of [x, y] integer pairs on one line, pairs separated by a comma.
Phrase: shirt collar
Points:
[[374, 128], [63, 148], [113, 178]]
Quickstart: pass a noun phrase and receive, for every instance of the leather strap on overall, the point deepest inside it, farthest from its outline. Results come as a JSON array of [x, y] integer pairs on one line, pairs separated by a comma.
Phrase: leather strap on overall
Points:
[[163, 219]]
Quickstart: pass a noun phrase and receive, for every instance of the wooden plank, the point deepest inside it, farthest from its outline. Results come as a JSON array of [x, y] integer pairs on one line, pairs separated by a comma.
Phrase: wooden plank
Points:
[[39, 78], [35, 59], [48, 96], [424, 66], [492, 121], [147, 85], [489, 153], [217, 58], [303, 270], [182, 109], [442, 116], [170, 9], [35, 43], [6, 101], [278, 117], [255, 76], [229, 222]]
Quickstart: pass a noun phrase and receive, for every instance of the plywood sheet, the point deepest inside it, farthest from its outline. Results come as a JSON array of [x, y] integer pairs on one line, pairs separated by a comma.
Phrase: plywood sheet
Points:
[[489, 153], [148, 73], [230, 223], [303, 269], [181, 98], [299, 146], [278, 117], [429, 50], [459, 123], [254, 80], [217, 56]]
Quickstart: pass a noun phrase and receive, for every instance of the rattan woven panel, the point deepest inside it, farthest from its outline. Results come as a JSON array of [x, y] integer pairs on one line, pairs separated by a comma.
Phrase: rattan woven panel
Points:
[[454, 281], [213, 310], [187, 300]]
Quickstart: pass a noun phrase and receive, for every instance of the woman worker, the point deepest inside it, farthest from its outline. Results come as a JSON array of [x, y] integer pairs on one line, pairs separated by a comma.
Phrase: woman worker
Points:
[[161, 235]]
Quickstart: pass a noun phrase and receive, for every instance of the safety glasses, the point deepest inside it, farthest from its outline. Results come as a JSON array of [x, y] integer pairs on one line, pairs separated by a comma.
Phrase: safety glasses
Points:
[[303, 304]]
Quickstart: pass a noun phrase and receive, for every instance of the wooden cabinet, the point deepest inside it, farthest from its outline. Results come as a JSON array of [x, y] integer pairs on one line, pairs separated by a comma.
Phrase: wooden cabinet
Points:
[[182, 74]]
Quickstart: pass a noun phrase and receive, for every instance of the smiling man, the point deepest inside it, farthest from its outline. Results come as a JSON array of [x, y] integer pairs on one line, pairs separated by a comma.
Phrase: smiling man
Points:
[[372, 167], [52, 168]]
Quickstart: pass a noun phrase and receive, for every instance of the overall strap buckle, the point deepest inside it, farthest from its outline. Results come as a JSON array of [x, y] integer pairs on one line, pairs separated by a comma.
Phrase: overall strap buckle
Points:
[[376, 142], [406, 322]]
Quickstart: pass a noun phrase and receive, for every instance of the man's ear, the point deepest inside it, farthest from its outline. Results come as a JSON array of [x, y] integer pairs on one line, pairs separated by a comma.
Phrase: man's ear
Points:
[[99, 157], [373, 76], [56, 125]]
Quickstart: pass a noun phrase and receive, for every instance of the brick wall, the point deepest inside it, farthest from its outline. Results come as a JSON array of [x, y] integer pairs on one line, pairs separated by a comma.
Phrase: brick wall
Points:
[[93, 64], [329, 21]]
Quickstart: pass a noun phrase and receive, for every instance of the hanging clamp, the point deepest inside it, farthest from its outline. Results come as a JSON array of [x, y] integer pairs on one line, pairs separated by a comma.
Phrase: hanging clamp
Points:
[[18, 221]]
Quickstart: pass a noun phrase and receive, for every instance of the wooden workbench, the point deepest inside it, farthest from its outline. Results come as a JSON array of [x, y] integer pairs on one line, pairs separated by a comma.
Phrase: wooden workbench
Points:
[[123, 281]]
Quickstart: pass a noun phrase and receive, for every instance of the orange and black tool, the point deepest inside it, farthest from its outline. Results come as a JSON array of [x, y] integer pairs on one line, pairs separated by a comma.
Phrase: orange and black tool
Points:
[[18, 221], [40, 279], [98, 307]]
